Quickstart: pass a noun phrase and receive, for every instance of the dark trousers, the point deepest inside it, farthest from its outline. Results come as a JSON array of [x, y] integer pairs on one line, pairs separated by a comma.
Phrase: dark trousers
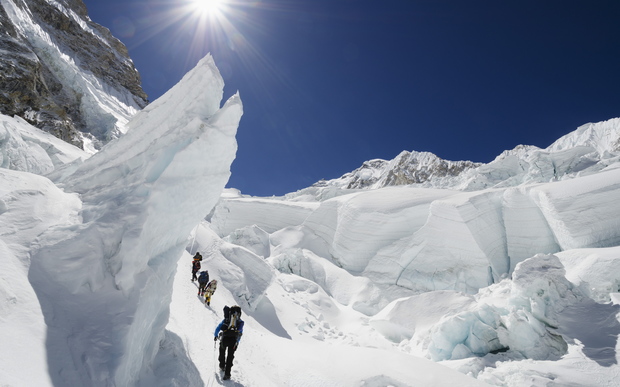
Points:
[[230, 344], [194, 278]]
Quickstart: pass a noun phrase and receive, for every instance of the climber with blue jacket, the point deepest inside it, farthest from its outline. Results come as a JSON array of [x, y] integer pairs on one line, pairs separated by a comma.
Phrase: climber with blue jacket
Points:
[[229, 331]]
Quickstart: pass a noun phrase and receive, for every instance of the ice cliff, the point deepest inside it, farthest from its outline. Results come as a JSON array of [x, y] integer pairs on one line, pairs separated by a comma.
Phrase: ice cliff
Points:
[[104, 280]]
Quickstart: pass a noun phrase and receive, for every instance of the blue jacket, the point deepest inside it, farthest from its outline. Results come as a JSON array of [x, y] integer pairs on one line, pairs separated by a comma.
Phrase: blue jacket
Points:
[[239, 329]]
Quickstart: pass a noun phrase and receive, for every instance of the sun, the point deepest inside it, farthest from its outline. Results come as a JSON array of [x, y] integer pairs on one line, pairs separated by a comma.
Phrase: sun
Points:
[[208, 7]]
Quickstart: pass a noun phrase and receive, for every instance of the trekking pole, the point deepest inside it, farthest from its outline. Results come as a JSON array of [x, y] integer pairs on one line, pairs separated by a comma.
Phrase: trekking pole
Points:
[[214, 360], [214, 350], [212, 379]]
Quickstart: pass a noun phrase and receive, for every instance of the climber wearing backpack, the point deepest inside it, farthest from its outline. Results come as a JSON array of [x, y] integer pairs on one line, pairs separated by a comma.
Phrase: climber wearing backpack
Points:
[[203, 280], [196, 265], [209, 291], [231, 330]]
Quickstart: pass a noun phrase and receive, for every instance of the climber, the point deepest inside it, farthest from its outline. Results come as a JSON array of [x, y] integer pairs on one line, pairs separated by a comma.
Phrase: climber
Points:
[[196, 265], [203, 280], [209, 291], [229, 332]]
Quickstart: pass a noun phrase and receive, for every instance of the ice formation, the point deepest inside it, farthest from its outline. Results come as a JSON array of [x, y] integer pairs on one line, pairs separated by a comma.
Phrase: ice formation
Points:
[[105, 281], [25, 148], [395, 234], [504, 266], [524, 322]]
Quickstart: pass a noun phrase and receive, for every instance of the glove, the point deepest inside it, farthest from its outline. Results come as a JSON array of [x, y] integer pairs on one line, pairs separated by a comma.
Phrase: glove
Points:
[[215, 338]]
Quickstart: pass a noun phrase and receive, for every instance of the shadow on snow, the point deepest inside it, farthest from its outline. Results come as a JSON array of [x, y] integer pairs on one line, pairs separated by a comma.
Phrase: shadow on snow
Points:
[[596, 326]]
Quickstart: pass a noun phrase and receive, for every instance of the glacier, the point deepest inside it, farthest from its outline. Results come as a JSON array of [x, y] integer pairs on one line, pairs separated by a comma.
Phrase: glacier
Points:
[[505, 274], [511, 264], [395, 234]]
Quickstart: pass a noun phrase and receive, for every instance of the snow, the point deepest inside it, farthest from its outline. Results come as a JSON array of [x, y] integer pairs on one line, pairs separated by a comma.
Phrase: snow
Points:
[[511, 284], [595, 270], [588, 150], [403, 248], [29, 204], [297, 336], [25, 148]]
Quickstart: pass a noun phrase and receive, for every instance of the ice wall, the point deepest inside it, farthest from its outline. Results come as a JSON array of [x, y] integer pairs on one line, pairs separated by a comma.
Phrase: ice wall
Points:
[[527, 231], [356, 226], [105, 283], [430, 239], [583, 212], [29, 204], [269, 215]]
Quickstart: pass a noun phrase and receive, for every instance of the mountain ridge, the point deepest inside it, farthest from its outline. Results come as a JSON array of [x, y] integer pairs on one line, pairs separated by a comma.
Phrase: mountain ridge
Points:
[[590, 148], [65, 74]]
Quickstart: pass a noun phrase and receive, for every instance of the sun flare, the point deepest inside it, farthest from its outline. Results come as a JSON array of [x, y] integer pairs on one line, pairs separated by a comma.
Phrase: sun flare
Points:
[[208, 7]]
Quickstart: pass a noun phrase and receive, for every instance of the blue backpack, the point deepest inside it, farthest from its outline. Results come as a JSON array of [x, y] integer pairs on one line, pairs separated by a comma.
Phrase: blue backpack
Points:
[[204, 277]]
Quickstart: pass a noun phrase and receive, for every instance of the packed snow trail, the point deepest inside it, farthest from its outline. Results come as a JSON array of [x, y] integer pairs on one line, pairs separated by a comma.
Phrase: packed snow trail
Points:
[[195, 322], [276, 350]]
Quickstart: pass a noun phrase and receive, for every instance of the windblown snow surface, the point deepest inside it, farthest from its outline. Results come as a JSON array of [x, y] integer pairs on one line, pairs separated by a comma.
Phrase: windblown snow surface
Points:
[[508, 276]]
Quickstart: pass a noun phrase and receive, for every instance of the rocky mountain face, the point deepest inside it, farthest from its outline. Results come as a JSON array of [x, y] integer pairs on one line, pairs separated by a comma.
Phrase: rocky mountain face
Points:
[[406, 168], [64, 73]]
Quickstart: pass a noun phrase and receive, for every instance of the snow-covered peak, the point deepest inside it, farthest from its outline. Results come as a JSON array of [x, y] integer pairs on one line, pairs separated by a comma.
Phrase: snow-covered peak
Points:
[[406, 168], [602, 136], [588, 149]]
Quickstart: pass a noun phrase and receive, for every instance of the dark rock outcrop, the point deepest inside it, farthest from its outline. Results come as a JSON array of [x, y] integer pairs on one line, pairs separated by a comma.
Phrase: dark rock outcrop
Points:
[[45, 48]]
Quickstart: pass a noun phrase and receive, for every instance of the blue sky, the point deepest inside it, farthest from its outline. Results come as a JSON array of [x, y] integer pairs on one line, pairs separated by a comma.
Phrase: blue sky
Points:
[[328, 84]]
